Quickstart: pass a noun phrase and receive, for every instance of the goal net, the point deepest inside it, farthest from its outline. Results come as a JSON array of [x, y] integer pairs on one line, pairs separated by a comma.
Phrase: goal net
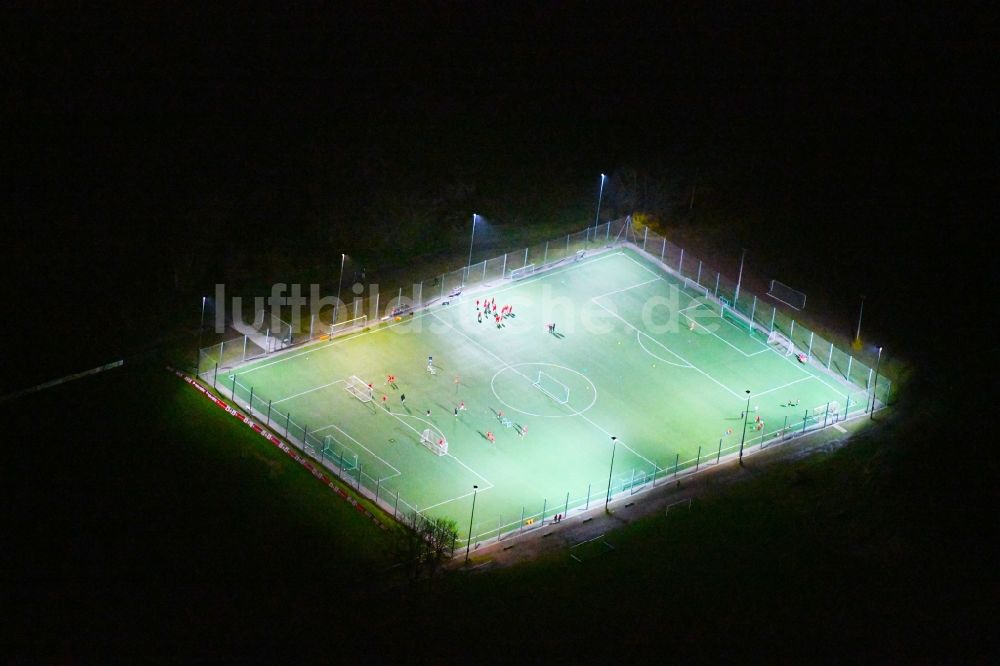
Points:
[[552, 387], [781, 342], [434, 442], [694, 286], [833, 409], [787, 295], [360, 389], [523, 272], [340, 327]]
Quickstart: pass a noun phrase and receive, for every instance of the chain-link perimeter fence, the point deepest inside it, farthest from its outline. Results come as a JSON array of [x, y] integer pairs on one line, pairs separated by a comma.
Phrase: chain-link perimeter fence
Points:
[[374, 477]]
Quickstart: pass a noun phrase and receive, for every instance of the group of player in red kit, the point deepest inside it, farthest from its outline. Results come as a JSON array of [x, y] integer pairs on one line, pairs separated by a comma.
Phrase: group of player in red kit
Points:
[[488, 306]]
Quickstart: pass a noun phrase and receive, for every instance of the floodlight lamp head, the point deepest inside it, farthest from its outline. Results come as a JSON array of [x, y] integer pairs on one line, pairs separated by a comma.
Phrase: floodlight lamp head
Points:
[[475, 487]]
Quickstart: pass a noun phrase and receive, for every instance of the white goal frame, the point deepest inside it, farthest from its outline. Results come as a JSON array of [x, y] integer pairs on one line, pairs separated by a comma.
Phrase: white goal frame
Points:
[[359, 389], [340, 327], [562, 400], [434, 442], [833, 409], [691, 284], [793, 298], [522, 272], [780, 340]]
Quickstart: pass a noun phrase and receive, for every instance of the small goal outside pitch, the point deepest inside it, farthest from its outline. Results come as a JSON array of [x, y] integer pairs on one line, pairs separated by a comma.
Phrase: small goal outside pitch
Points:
[[552, 387], [348, 325], [434, 442], [523, 272], [360, 389]]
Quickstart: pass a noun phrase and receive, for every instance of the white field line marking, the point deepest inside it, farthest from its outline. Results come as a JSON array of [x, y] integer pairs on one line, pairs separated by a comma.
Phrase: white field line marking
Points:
[[645, 268], [323, 346], [346, 434], [837, 426], [399, 417], [471, 470], [765, 346], [453, 499], [620, 443], [530, 381], [638, 338], [719, 337], [850, 388], [778, 388], [693, 366], [540, 276], [671, 272], [795, 364], [714, 334], [634, 286], [695, 304], [339, 381]]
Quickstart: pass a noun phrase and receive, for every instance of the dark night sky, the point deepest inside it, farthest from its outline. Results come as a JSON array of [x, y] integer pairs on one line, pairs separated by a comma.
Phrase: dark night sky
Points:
[[863, 126]]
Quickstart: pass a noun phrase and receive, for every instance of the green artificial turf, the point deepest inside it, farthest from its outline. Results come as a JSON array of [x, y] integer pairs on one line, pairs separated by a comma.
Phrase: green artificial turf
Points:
[[636, 355]]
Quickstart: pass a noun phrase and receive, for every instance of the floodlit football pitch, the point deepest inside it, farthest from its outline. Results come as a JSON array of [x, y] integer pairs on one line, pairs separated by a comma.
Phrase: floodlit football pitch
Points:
[[636, 355]]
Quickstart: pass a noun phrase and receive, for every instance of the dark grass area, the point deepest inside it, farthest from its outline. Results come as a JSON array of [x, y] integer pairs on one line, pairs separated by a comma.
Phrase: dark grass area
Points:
[[140, 519], [866, 554], [189, 537]]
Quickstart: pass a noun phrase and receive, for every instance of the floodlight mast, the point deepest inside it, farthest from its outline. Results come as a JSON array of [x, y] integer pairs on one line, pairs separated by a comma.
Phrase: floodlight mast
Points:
[[340, 285], [201, 328], [861, 311], [472, 240], [614, 444], [746, 415], [600, 195], [475, 489], [878, 361], [739, 280]]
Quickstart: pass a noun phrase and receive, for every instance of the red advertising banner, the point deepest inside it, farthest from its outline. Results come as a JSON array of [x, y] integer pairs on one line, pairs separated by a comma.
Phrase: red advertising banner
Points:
[[290, 451]]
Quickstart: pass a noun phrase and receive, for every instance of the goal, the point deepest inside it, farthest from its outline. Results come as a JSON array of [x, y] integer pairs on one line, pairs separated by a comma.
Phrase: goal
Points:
[[552, 387], [359, 389], [781, 342], [694, 286], [434, 442], [340, 327], [790, 297], [523, 272], [833, 409]]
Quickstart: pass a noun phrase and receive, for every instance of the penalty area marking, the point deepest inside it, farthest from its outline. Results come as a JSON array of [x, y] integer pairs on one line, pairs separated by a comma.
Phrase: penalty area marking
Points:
[[400, 418], [455, 499], [692, 365], [638, 338], [348, 435], [318, 388], [778, 388]]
